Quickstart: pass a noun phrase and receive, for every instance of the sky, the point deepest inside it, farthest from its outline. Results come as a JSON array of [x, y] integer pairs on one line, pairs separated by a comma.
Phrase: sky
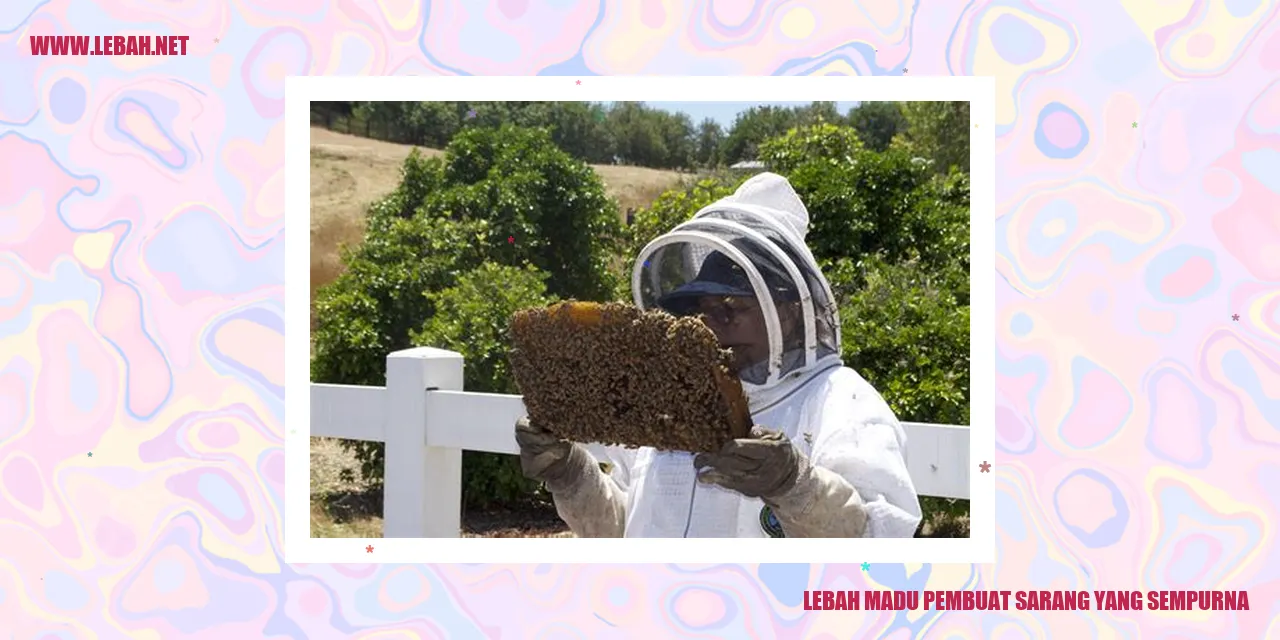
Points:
[[725, 112]]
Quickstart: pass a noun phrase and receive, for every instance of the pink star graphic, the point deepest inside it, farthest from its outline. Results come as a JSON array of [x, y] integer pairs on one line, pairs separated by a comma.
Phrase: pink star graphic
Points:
[[985, 467], [578, 82], [511, 239], [368, 549]]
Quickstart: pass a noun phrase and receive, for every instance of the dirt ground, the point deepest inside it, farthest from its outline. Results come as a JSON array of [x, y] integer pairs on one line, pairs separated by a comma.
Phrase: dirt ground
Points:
[[345, 506]]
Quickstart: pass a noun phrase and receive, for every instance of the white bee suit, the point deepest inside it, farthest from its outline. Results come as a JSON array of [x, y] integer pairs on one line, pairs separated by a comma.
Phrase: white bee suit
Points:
[[828, 411]]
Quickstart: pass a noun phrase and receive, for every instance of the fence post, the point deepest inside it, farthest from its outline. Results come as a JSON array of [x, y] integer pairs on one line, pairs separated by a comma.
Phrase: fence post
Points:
[[422, 486]]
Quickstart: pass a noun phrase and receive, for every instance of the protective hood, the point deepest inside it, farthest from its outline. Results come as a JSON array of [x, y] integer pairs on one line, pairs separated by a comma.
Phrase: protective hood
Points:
[[750, 245]]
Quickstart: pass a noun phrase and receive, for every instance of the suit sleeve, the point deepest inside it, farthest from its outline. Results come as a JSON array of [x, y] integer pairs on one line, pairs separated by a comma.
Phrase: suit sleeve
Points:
[[590, 501], [821, 505]]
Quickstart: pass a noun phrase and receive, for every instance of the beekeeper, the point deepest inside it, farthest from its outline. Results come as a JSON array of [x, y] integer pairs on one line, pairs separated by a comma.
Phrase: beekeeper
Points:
[[827, 457]]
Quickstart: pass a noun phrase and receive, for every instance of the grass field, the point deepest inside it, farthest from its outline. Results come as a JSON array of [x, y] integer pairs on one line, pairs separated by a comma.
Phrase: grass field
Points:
[[347, 174]]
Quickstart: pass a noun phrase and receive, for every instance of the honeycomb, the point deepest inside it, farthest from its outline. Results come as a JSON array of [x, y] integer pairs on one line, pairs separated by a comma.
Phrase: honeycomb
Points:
[[613, 374]]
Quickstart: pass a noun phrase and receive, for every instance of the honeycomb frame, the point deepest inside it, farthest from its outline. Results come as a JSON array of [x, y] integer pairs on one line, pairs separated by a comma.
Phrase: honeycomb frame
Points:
[[613, 374]]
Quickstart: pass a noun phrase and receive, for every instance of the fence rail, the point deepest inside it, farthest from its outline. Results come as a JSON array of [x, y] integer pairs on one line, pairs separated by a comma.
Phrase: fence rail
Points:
[[427, 420]]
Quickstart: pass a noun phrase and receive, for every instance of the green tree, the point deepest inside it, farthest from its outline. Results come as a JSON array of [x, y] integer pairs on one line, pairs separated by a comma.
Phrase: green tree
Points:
[[861, 202], [433, 124], [373, 117], [938, 131], [326, 113], [503, 196], [471, 318], [752, 127], [895, 241], [637, 135], [905, 328], [818, 113], [430, 124], [877, 123], [819, 143], [543, 207], [710, 139], [577, 128], [670, 209], [371, 308], [677, 138]]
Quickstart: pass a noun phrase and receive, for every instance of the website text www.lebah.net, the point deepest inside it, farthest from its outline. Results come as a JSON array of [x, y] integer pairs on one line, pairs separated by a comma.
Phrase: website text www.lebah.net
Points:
[[143, 45]]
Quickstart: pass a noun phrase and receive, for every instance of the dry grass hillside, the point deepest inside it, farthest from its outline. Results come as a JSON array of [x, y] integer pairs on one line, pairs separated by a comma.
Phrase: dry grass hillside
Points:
[[349, 172]]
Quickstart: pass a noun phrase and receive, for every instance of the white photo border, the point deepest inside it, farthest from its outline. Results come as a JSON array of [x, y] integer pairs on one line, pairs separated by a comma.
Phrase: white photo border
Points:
[[301, 91]]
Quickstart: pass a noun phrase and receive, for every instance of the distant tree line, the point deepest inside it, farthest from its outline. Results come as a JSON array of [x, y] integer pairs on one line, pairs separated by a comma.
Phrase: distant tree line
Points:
[[632, 133]]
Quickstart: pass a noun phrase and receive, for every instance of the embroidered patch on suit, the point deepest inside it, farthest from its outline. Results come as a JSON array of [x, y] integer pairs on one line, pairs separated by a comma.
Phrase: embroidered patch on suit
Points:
[[769, 523]]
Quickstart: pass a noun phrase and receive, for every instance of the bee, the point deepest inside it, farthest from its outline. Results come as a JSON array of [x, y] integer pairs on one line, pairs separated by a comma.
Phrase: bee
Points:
[[613, 374]]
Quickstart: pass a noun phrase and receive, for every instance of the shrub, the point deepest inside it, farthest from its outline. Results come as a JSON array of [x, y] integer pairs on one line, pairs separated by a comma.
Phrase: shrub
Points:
[[544, 207], [938, 131], [893, 238], [369, 310], [906, 331], [471, 318], [877, 123], [827, 144], [448, 217], [670, 209], [419, 177], [860, 202]]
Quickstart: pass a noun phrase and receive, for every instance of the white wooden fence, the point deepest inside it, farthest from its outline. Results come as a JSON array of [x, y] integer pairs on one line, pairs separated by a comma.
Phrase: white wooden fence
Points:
[[426, 420]]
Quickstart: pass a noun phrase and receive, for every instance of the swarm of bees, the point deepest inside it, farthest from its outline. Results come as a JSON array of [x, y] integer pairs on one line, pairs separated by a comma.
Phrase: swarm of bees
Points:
[[616, 375]]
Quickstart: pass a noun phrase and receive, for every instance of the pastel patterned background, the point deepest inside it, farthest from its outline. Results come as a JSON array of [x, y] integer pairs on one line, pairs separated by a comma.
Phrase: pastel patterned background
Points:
[[141, 210]]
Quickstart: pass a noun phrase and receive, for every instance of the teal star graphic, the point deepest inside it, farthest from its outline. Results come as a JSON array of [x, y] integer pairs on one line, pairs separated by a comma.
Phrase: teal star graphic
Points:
[[90, 454], [866, 566]]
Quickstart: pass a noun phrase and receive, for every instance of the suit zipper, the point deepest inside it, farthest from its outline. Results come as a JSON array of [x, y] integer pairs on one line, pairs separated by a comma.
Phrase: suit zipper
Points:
[[693, 494]]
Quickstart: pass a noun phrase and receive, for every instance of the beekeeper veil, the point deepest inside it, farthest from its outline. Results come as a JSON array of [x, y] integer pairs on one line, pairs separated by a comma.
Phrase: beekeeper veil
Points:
[[749, 245]]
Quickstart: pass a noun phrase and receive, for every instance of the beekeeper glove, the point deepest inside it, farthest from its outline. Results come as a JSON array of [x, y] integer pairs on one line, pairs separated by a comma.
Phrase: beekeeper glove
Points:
[[809, 501], [766, 464], [546, 457], [587, 499]]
